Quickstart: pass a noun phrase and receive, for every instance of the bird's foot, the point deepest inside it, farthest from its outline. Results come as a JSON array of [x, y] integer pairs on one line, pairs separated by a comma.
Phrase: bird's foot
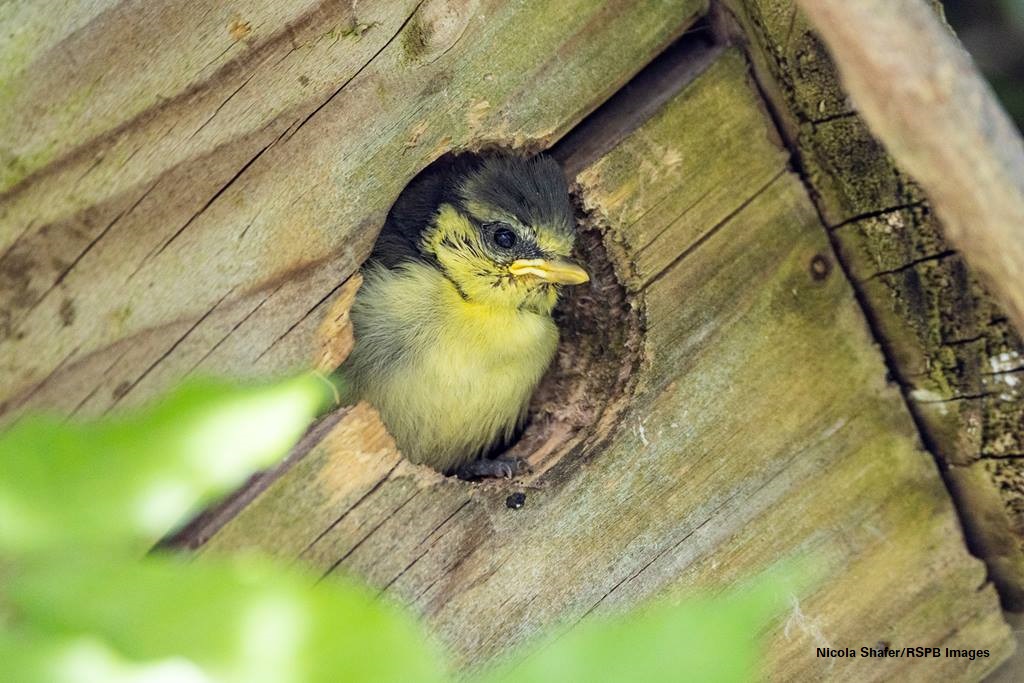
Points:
[[492, 468]]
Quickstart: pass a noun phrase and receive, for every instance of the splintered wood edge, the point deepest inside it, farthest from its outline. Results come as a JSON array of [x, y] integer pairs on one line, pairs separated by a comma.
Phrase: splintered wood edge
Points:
[[334, 339]]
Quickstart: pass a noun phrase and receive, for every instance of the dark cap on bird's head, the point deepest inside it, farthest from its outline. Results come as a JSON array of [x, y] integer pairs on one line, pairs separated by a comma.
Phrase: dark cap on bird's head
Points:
[[533, 191], [499, 227]]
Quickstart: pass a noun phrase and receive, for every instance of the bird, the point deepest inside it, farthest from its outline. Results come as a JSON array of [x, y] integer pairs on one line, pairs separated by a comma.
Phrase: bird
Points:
[[453, 323]]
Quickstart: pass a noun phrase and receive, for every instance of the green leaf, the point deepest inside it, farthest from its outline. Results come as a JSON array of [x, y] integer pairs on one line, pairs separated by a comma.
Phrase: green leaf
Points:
[[131, 479], [36, 658], [243, 621], [702, 639]]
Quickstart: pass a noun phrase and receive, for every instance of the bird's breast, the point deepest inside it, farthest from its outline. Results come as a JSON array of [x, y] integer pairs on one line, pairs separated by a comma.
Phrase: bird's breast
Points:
[[459, 375]]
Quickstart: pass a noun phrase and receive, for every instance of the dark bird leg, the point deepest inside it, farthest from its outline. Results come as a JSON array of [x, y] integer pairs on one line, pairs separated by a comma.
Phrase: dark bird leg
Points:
[[492, 468]]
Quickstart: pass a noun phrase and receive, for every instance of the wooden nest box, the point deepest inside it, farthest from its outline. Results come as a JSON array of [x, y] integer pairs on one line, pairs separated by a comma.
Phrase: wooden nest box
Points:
[[781, 352]]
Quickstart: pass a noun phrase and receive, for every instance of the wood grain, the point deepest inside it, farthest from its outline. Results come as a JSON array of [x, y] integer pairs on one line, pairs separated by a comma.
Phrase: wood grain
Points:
[[761, 426], [188, 191], [947, 341]]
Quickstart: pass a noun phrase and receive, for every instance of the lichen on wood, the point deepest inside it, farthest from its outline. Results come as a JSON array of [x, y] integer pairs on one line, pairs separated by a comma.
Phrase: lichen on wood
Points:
[[947, 341]]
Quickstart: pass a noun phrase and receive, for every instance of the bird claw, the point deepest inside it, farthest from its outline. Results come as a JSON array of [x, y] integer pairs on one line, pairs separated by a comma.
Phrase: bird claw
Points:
[[498, 468]]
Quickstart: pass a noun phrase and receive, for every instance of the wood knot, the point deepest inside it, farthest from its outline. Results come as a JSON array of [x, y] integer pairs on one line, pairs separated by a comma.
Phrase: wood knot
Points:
[[435, 28], [821, 266]]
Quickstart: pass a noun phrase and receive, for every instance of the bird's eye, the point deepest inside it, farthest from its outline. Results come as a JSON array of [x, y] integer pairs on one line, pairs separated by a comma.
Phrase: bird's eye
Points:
[[504, 238]]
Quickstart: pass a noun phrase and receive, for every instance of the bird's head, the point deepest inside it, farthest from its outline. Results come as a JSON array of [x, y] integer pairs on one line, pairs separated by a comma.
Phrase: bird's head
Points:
[[502, 232]]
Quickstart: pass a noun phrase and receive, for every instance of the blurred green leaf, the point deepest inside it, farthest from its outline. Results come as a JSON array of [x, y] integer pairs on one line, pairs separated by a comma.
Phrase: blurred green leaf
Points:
[[706, 639], [36, 658], [243, 621], [131, 479], [79, 502]]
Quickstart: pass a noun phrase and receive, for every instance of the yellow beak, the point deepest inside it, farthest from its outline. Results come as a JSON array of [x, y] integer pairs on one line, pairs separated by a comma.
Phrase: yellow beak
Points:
[[558, 272]]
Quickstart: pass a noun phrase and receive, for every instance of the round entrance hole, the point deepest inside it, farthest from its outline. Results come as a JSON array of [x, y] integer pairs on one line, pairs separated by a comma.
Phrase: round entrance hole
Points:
[[580, 398]]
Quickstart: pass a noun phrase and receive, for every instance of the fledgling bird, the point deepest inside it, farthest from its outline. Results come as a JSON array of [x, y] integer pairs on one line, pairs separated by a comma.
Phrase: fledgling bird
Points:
[[452, 325]]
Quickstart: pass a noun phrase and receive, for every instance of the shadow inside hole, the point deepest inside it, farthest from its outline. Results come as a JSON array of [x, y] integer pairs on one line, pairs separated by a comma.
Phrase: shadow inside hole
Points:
[[579, 400]]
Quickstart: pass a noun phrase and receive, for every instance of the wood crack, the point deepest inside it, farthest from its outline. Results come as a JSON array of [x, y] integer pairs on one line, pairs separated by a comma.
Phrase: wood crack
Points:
[[89, 247], [708, 234], [217, 58], [875, 214], [664, 551], [464, 555], [954, 399], [300, 320], [671, 222], [714, 513], [234, 328], [359, 70], [370, 533], [181, 100], [350, 508], [96, 388], [402, 573], [217, 194], [429, 547], [222, 105], [997, 373], [96, 162], [910, 264], [168, 352], [35, 390], [445, 521], [960, 342], [833, 117], [17, 239]]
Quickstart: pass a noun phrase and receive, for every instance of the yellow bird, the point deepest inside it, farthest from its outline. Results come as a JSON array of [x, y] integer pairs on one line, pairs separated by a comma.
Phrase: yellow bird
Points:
[[452, 325]]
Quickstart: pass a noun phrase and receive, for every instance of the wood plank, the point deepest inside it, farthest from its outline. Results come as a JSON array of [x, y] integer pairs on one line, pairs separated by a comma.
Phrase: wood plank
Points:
[[946, 340], [760, 426], [209, 176], [938, 117]]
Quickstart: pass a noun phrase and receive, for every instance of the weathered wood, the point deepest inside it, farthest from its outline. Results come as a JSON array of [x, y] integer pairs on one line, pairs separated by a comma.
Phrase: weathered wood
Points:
[[939, 118], [760, 426], [184, 187], [946, 340]]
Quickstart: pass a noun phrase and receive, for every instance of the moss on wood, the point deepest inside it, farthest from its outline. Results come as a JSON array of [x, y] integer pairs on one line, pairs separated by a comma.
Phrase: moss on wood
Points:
[[947, 341]]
